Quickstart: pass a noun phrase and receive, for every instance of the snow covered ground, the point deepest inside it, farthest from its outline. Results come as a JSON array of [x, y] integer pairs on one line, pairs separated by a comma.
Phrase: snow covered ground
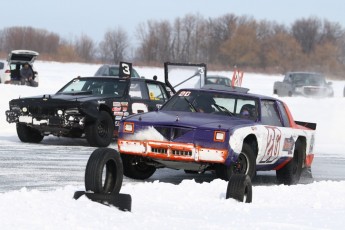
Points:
[[160, 204]]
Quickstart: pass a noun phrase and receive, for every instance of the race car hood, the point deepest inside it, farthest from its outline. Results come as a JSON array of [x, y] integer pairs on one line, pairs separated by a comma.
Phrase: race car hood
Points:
[[56, 98], [191, 120], [48, 104]]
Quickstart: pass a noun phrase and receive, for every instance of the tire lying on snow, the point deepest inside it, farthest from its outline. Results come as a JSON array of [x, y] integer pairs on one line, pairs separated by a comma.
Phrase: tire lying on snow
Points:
[[121, 201], [104, 172], [103, 180], [240, 188]]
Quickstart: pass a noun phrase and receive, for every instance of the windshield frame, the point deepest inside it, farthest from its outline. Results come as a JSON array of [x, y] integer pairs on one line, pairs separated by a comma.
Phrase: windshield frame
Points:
[[95, 86]]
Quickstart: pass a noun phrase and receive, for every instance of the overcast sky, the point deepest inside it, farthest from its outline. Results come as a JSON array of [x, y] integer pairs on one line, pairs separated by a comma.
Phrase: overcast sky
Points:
[[70, 18]]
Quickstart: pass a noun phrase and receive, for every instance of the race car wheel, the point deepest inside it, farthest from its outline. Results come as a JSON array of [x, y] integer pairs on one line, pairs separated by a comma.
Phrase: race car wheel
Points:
[[28, 134], [240, 188], [104, 172], [245, 164], [291, 173], [100, 132], [135, 167]]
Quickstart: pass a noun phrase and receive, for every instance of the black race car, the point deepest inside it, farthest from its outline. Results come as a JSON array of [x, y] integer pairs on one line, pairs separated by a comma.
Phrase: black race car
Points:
[[87, 106]]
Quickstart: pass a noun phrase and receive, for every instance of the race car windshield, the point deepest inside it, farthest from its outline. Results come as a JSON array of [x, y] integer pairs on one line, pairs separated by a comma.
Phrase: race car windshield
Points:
[[213, 102], [95, 86]]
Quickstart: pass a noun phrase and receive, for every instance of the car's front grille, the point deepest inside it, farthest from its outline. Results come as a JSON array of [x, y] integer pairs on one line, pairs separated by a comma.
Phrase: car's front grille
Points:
[[314, 90], [171, 133], [175, 152], [181, 153], [159, 150], [38, 111]]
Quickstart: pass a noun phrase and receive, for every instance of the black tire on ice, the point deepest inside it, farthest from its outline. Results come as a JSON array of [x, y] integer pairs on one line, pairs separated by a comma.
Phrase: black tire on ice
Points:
[[28, 134], [104, 172], [240, 188], [121, 201], [245, 164], [134, 167], [291, 173], [100, 132]]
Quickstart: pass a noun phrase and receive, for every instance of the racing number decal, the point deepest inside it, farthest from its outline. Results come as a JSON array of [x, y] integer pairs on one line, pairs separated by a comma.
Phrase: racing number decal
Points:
[[274, 137], [184, 94], [125, 70]]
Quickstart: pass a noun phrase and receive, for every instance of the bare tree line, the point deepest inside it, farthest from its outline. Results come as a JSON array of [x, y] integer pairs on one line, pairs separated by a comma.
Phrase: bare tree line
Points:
[[308, 44]]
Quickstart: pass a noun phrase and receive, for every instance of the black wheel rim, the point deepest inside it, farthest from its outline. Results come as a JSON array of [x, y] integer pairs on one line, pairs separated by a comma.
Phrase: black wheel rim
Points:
[[102, 129], [241, 165]]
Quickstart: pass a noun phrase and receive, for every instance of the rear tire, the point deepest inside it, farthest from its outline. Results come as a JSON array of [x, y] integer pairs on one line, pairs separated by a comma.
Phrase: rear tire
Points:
[[245, 164], [28, 134], [291, 173], [240, 188], [104, 172], [135, 167], [100, 132]]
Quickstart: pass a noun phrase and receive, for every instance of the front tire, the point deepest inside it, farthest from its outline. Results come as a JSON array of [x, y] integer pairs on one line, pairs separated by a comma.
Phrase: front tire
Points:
[[135, 167], [104, 172], [28, 134], [291, 173], [245, 164], [100, 132]]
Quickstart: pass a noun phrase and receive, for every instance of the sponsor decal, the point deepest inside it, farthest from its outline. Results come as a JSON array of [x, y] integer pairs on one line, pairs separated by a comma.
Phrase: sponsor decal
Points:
[[124, 103], [125, 114], [118, 113], [116, 109], [124, 108], [101, 102], [117, 123], [118, 118], [116, 103], [288, 145]]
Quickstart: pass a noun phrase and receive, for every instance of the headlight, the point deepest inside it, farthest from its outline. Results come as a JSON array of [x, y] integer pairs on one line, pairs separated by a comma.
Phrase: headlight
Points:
[[128, 127], [24, 109], [219, 136], [60, 112]]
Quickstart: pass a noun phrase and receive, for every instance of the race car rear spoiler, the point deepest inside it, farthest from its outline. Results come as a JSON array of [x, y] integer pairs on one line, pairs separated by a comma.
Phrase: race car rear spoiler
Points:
[[306, 124]]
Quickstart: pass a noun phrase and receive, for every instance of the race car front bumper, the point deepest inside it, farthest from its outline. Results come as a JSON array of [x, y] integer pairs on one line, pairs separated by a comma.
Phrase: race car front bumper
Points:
[[172, 151]]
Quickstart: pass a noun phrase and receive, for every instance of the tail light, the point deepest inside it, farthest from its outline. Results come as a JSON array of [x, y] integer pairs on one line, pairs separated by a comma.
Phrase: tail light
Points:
[[8, 71]]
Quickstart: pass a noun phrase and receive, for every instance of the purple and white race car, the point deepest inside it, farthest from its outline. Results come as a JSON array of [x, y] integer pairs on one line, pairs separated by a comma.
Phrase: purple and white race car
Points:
[[223, 129]]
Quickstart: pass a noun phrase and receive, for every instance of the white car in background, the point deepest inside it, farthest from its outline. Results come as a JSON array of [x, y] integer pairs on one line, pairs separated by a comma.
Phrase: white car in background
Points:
[[15, 61]]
